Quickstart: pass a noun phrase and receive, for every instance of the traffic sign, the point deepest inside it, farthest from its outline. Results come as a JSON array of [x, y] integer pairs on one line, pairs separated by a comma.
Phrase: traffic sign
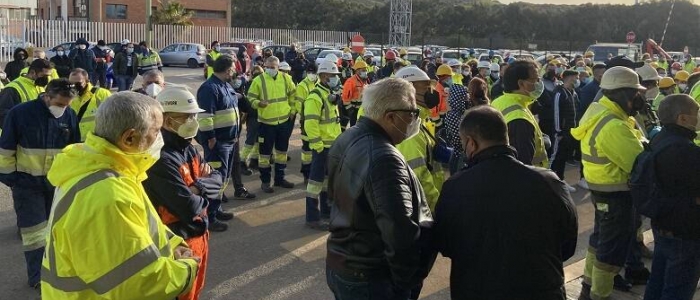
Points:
[[631, 37], [358, 43]]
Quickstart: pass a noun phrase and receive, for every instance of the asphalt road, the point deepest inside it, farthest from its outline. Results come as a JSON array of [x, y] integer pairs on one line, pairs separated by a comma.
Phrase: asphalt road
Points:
[[267, 253]]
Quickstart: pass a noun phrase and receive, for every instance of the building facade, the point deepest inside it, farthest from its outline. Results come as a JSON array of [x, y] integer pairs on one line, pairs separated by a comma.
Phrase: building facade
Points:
[[216, 13], [18, 9]]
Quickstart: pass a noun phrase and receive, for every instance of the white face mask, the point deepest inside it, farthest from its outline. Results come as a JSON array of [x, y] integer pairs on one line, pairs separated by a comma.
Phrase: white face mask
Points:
[[60, 53], [153, 90], [312, 77], [412, 129], [82, 46], [682, 86], [154, 149], [57, 111], [652, 93], [188, 129]]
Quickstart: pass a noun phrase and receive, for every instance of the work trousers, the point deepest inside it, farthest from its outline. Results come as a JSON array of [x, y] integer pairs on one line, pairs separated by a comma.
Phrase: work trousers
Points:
[[562, 150], [316, 190], [200, 248], [306, 153], [99, 77], [225, 158], [614, 231], [277, 137], [33, 205], [251, 137], [675, 268]]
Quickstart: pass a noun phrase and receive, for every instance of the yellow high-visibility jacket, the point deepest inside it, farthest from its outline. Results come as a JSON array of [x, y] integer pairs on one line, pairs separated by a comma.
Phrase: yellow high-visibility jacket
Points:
[[321, 121], [516, 106], [93, 97], [279, 92]]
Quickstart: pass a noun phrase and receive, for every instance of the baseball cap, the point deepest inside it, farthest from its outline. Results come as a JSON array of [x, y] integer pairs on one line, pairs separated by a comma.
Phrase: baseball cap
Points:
[[623, 61], [620, 77], [179, 100], [648, 72]]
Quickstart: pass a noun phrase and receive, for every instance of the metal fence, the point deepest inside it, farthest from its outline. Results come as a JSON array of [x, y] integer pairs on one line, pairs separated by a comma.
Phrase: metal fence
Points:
[[46, 34]]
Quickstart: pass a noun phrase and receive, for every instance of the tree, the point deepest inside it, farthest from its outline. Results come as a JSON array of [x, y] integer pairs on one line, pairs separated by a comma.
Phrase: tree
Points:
[[171, 12]]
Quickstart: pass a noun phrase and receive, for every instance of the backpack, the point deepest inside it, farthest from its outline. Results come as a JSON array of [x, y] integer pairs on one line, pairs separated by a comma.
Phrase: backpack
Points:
[[647, 194]]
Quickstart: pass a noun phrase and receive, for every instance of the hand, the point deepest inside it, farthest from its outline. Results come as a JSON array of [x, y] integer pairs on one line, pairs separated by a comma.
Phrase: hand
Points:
[[212, 143], [182, 252], [205, 170], [263, 104]]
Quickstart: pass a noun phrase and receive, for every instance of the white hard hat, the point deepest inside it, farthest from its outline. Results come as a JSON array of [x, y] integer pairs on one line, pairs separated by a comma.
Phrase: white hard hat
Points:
[[284, 66], [620, 77], [179, 100], [368, 53], [125, 41], [453, 63], [328, 67], [347, 56], [412, 73], [648, 73], [495, 67], [483, 65], [331, 57]]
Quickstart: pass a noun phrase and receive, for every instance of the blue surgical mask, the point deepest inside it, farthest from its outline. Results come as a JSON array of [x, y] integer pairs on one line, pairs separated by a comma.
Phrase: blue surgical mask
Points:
[[237, 83], [588, 80], [447, 82], [539, 89], [559, 70], [271, 71], [334, 81], [577, 84]]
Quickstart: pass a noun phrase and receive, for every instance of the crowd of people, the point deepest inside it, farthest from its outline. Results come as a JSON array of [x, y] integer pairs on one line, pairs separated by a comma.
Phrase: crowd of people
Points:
[[400, 162]]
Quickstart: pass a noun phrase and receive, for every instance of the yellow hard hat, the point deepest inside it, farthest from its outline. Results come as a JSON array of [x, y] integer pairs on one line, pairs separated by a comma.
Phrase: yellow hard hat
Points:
[[360, 65], [444, 70], [666, 82], [682, 75], [589, 54], [654, 65], [403, 52], [346, 50], [555, 62]]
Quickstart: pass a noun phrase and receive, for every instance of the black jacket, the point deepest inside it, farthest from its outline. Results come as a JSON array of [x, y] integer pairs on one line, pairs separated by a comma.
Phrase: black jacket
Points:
[[168, 186], [678, 172], [564, 104], [13, 68], [84, 59], [120, 64], [62, 65], [379, 214], [507, 227], [497, 89]]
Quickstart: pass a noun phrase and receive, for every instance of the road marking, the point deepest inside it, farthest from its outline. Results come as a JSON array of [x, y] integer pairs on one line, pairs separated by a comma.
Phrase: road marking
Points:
[[294, 288], [309, 256], [236, 283]]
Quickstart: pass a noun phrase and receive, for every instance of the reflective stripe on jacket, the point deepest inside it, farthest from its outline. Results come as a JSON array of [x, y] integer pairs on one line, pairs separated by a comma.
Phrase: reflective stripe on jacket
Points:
[[352, 91], [279, 92], [321, 119], [610, 143], [515, 107], [93, 101], [25, 88], [122, 250]]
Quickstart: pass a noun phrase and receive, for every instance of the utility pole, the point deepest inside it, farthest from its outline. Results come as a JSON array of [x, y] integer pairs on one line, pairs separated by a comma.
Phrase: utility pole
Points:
[[149, 29]]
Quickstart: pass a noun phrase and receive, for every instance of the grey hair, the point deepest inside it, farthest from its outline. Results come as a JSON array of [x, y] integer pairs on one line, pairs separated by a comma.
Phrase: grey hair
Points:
[[673, 106], [123, 111], [387, 94], [80, 71], [153, 74], [272, 60]]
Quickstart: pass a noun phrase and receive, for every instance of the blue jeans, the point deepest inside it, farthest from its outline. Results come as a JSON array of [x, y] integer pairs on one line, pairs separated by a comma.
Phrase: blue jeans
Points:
[[346, 288], [124, 82], [675, 268]]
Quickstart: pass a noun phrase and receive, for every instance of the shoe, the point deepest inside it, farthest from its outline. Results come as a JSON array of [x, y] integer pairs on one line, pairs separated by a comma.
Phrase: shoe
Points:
[[318, 225], [243, 194], [218, 226], [284, 183], [621, 284], [637, 277], [224, 199], [570, 188], [265, 187], [253, 164], [244, 170], [583, 184], [585, 291], [646, 252], [224, 216]]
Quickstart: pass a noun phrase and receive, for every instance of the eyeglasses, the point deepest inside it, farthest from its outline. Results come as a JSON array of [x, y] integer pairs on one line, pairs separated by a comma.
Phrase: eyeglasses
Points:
[[415, 112]]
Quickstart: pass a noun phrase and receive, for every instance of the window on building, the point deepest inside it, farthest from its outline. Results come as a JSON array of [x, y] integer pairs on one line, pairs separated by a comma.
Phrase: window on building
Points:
[[116, 11], [208, 14]]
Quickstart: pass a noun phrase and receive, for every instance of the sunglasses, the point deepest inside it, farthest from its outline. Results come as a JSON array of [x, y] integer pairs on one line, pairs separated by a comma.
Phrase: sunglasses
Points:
[[415, 113]]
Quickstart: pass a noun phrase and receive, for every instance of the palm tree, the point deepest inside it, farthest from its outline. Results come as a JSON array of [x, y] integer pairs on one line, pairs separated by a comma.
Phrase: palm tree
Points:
[[172, 12]]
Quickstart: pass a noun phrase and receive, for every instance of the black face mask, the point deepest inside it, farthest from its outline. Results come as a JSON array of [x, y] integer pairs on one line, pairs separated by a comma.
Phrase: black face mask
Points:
[[80, 88], [345, 64], [638, 103], [431, 99], [41, 81]]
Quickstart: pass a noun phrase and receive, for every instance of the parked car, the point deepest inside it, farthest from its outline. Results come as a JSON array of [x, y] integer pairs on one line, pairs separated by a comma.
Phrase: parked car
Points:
[[191, 55], [602, 50], [325, 53], [253, 49], [277, 48], [312, 53], [66, 47]]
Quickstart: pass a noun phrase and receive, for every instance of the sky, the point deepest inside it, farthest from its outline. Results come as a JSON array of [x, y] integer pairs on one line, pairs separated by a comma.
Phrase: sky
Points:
[[578, 1]]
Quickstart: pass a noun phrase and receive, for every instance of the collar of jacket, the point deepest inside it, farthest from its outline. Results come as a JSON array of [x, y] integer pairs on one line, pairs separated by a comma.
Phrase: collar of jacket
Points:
[[371, 126], [523, 100], [87, 95], [614, 108], [492, 152], [174, 140], [129, 164], [674, 129]]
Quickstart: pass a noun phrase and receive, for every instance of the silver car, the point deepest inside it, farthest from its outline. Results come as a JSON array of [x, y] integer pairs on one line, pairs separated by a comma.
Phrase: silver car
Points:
[[191, 55]]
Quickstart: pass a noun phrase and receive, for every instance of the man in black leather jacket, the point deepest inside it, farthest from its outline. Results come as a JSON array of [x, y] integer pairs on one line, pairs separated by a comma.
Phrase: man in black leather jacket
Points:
[[380, 219]]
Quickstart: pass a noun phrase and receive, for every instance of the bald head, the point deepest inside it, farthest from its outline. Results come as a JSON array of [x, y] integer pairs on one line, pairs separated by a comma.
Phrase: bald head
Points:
[[679, 109]]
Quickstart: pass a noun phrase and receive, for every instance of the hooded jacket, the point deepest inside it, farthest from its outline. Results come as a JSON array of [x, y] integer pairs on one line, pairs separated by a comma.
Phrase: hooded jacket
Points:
[[13, 68], [84, 59], [110, 225]]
